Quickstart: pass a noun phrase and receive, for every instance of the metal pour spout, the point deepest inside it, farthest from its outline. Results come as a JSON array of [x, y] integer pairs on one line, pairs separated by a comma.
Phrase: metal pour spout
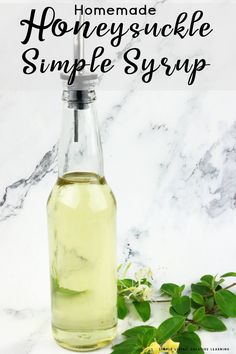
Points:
[[79, 55], [81, 92], [79, 42]]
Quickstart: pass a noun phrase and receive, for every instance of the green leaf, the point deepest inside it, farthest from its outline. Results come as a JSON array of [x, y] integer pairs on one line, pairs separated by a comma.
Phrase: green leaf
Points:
[[199, 314], [208, 280], [226, 302], [122, 308], [218, 288], [217, 283], [201, 289], [189, 343], [64, 291], [212, 323], [54, 284], [181, 305], [69, 292], [173, 312], [230, 274], [172, 289], [211, 282], [148, 338], [192, 328], [209, 303], [198, 298], [140, 330], [125, 283], [129, 346], [145, 282], [169, 328], [194, 305], [144, 309]]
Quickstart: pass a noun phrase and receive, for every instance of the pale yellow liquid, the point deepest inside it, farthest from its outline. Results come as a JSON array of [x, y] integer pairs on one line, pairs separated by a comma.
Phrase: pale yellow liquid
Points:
[[81, 218]]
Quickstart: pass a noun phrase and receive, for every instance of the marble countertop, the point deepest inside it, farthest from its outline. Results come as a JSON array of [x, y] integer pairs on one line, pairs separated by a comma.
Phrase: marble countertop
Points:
[[170, 158]]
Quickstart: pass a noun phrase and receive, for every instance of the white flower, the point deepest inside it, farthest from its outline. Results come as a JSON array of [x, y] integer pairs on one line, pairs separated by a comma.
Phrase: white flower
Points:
[[147, 294], [142, 292], [143, 273]]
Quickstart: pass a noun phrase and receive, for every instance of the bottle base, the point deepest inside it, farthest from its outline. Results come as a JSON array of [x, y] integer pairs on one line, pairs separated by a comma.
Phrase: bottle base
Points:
[[83, 341]]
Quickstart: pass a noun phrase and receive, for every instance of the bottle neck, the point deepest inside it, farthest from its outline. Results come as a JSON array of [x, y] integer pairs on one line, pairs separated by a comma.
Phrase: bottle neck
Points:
[[80, 147]]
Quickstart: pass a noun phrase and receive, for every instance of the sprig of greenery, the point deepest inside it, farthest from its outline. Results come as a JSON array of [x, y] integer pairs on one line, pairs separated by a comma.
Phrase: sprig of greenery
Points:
[[204, 307], [135, 292]]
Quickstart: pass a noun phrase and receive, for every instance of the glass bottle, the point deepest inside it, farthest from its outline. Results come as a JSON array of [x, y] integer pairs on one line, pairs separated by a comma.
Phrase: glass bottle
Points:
[[82, 233]]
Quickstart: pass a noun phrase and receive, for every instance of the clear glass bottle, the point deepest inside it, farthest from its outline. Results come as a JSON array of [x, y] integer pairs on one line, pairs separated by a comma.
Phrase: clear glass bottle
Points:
[[82, 233]]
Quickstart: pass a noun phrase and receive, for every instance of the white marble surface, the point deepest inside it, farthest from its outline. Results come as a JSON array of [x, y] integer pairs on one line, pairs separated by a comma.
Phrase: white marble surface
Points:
[[170, 158]]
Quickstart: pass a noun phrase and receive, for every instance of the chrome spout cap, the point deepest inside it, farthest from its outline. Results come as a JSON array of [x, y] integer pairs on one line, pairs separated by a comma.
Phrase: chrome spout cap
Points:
[[83, 80]]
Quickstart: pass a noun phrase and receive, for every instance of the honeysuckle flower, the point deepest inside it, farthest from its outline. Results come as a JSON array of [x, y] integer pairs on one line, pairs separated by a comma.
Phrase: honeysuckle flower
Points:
[[142, 292], [153, 348], [170, 347], [147, 294], [143, 273]]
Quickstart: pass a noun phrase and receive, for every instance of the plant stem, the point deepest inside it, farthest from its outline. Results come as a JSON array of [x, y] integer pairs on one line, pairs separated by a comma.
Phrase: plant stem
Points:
[[127, 289], [230, 286], [160, 301], [190, 321], [193, 322]]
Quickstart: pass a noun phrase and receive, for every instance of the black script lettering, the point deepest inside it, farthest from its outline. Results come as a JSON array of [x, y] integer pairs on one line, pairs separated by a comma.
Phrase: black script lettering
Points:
[[198, 65], [154, 29], [164, 29], [197, 15], [147, 77], [179, 29], [132, 68], [134, 28], [102, 27], [116, 40], [205, 27], [35, 55], [78, 65], [186, 65], [164, 62], [62, 27], [85, 27], [104, 66], [178, 66], [41, 27], [106, 63], [44, 67]]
